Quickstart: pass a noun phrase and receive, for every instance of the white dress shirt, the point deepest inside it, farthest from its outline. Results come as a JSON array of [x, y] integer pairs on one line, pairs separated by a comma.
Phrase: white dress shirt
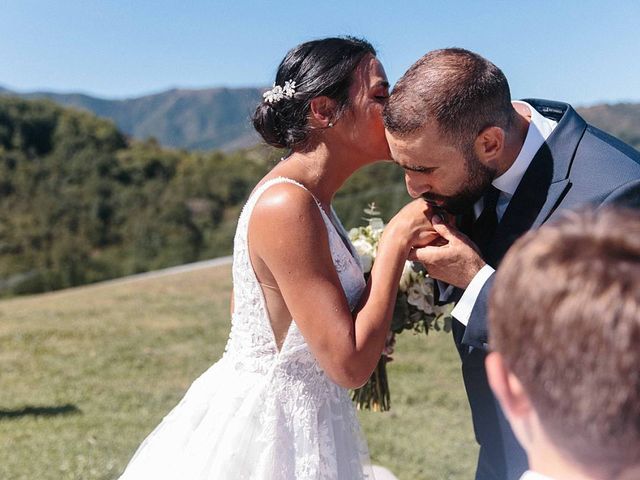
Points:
[[531, 475], [539, 130]]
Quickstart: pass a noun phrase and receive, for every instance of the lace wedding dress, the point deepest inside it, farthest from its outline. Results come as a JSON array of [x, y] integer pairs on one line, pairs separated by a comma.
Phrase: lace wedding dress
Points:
[[260, 413]]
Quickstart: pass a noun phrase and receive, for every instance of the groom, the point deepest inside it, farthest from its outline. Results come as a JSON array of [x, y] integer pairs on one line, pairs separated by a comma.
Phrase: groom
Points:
[[503, 168]]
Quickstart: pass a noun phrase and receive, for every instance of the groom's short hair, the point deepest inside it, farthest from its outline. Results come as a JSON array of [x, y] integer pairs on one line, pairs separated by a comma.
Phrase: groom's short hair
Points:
[[462, 91], [565, 316]]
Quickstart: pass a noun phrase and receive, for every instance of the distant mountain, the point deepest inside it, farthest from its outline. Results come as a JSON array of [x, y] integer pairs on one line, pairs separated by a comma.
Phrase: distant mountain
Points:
[[215, 118], [219, 118], [621, 120]]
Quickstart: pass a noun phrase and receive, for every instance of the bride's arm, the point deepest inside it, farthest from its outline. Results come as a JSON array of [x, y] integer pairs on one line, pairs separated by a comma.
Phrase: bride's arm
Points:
[[288, 234]]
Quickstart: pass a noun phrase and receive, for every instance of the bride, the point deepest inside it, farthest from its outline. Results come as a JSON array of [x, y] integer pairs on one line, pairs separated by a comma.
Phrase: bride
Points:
[[305, 325]]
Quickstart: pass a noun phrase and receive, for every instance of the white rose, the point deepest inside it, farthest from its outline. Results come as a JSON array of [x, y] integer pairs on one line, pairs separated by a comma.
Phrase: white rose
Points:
[[366, 253], [367, 263], [363, 247], [420, 294]]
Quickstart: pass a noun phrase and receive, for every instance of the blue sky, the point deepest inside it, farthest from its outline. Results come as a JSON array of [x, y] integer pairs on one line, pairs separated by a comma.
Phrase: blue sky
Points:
[[583, 51]]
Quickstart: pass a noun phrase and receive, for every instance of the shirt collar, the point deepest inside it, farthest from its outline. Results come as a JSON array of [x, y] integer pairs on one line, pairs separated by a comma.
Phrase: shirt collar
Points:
[[539, 130], [531, 475]]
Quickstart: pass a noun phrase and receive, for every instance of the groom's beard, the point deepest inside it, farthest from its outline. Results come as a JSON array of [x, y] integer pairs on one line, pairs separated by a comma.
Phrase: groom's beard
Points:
[[478, 179]]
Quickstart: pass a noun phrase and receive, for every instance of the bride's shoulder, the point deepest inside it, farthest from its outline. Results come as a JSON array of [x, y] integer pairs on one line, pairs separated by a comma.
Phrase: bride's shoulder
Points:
[[286, 208], [285, 199]]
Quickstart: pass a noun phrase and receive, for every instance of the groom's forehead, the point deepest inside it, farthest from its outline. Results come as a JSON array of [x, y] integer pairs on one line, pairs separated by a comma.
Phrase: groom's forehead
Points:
[[423, 140], [421, 153], [412, 159]]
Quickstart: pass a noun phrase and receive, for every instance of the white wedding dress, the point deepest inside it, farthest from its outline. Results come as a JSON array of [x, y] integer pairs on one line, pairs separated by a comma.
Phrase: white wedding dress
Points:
[[260, 413]]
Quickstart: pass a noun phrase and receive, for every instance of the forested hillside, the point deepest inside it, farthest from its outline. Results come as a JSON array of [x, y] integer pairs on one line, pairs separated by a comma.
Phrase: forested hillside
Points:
[[80, 202]]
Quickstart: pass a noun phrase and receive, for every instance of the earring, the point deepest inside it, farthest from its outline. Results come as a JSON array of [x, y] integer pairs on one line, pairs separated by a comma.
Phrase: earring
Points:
[[330, 125]]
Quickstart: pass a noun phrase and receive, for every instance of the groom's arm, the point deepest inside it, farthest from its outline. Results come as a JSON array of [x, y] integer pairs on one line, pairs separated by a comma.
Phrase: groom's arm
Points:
[[471, 310], [458, 263]]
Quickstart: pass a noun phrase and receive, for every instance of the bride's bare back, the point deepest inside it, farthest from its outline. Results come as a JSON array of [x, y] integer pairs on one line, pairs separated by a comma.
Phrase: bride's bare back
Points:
[[291, 254], [279, 313]]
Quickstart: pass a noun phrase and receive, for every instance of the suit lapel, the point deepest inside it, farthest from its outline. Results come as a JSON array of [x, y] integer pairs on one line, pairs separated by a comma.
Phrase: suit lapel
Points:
[[545, 182]]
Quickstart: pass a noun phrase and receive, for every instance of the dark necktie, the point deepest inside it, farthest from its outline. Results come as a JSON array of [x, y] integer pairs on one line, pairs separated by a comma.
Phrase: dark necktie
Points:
[[485, 225]]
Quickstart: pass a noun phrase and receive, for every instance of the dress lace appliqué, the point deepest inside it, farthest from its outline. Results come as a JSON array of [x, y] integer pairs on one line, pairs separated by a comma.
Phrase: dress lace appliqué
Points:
[[259, 413]]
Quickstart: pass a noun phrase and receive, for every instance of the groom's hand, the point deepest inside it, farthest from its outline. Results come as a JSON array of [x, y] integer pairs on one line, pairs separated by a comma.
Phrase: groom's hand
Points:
[[454, 260]]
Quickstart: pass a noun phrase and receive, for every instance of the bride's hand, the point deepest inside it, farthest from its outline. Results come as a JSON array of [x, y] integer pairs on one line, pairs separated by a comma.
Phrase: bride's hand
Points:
[[412, 225]]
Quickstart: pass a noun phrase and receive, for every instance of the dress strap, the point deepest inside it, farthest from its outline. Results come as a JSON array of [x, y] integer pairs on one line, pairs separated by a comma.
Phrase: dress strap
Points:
[[257, 193], [274, 181]]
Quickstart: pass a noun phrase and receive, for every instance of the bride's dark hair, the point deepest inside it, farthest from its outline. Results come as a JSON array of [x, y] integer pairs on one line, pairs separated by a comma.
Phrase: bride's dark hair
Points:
[[319, 68]]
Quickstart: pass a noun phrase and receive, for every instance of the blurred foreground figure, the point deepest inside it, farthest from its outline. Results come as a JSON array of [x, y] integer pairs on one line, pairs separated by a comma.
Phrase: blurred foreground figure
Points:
[[565, 333]]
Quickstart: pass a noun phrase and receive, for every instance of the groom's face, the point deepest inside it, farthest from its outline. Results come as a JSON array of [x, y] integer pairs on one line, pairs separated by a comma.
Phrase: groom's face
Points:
[[440, 171]]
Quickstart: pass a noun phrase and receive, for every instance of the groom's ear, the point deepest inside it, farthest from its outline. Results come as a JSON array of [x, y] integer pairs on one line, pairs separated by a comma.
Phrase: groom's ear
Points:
[[489, 145], [322, 111]]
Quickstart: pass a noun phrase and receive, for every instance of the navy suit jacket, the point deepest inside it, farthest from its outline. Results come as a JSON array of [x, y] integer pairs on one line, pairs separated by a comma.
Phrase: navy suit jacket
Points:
[[577, 166]]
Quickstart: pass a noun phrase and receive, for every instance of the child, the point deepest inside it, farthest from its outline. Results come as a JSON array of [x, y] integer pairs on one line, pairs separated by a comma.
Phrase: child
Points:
[[565, 334]]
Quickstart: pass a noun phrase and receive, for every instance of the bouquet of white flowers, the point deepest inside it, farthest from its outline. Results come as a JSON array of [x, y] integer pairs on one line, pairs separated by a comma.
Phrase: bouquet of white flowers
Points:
[[415, 309]]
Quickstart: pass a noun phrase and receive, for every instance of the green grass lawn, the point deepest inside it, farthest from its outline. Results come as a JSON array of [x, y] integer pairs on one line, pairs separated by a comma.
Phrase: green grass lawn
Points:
[[88, 372]]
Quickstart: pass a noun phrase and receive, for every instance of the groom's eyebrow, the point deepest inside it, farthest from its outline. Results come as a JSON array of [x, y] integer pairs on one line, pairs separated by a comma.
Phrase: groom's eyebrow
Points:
[[417, 168]]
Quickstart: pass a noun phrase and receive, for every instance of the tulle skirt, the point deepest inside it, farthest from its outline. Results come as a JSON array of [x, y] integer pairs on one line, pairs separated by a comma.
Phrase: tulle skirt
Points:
[[240, 425]]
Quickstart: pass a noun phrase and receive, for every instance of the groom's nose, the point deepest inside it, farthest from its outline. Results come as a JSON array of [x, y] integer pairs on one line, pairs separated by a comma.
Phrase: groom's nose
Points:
[[415, 186]]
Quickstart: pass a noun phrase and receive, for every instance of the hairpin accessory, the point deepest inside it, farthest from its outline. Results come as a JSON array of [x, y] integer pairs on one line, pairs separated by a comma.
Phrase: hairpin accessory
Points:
[[277, 93]]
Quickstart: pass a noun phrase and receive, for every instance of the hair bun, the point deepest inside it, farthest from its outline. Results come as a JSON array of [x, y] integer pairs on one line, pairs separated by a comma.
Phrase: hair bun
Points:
[[266, 121]]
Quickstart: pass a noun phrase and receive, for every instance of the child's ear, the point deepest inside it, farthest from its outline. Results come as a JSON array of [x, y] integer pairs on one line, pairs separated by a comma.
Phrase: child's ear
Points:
[[506, 387]]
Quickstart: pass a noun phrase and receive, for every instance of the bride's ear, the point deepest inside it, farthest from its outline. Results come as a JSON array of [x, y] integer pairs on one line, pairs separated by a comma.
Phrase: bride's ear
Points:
[[322, 112]]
